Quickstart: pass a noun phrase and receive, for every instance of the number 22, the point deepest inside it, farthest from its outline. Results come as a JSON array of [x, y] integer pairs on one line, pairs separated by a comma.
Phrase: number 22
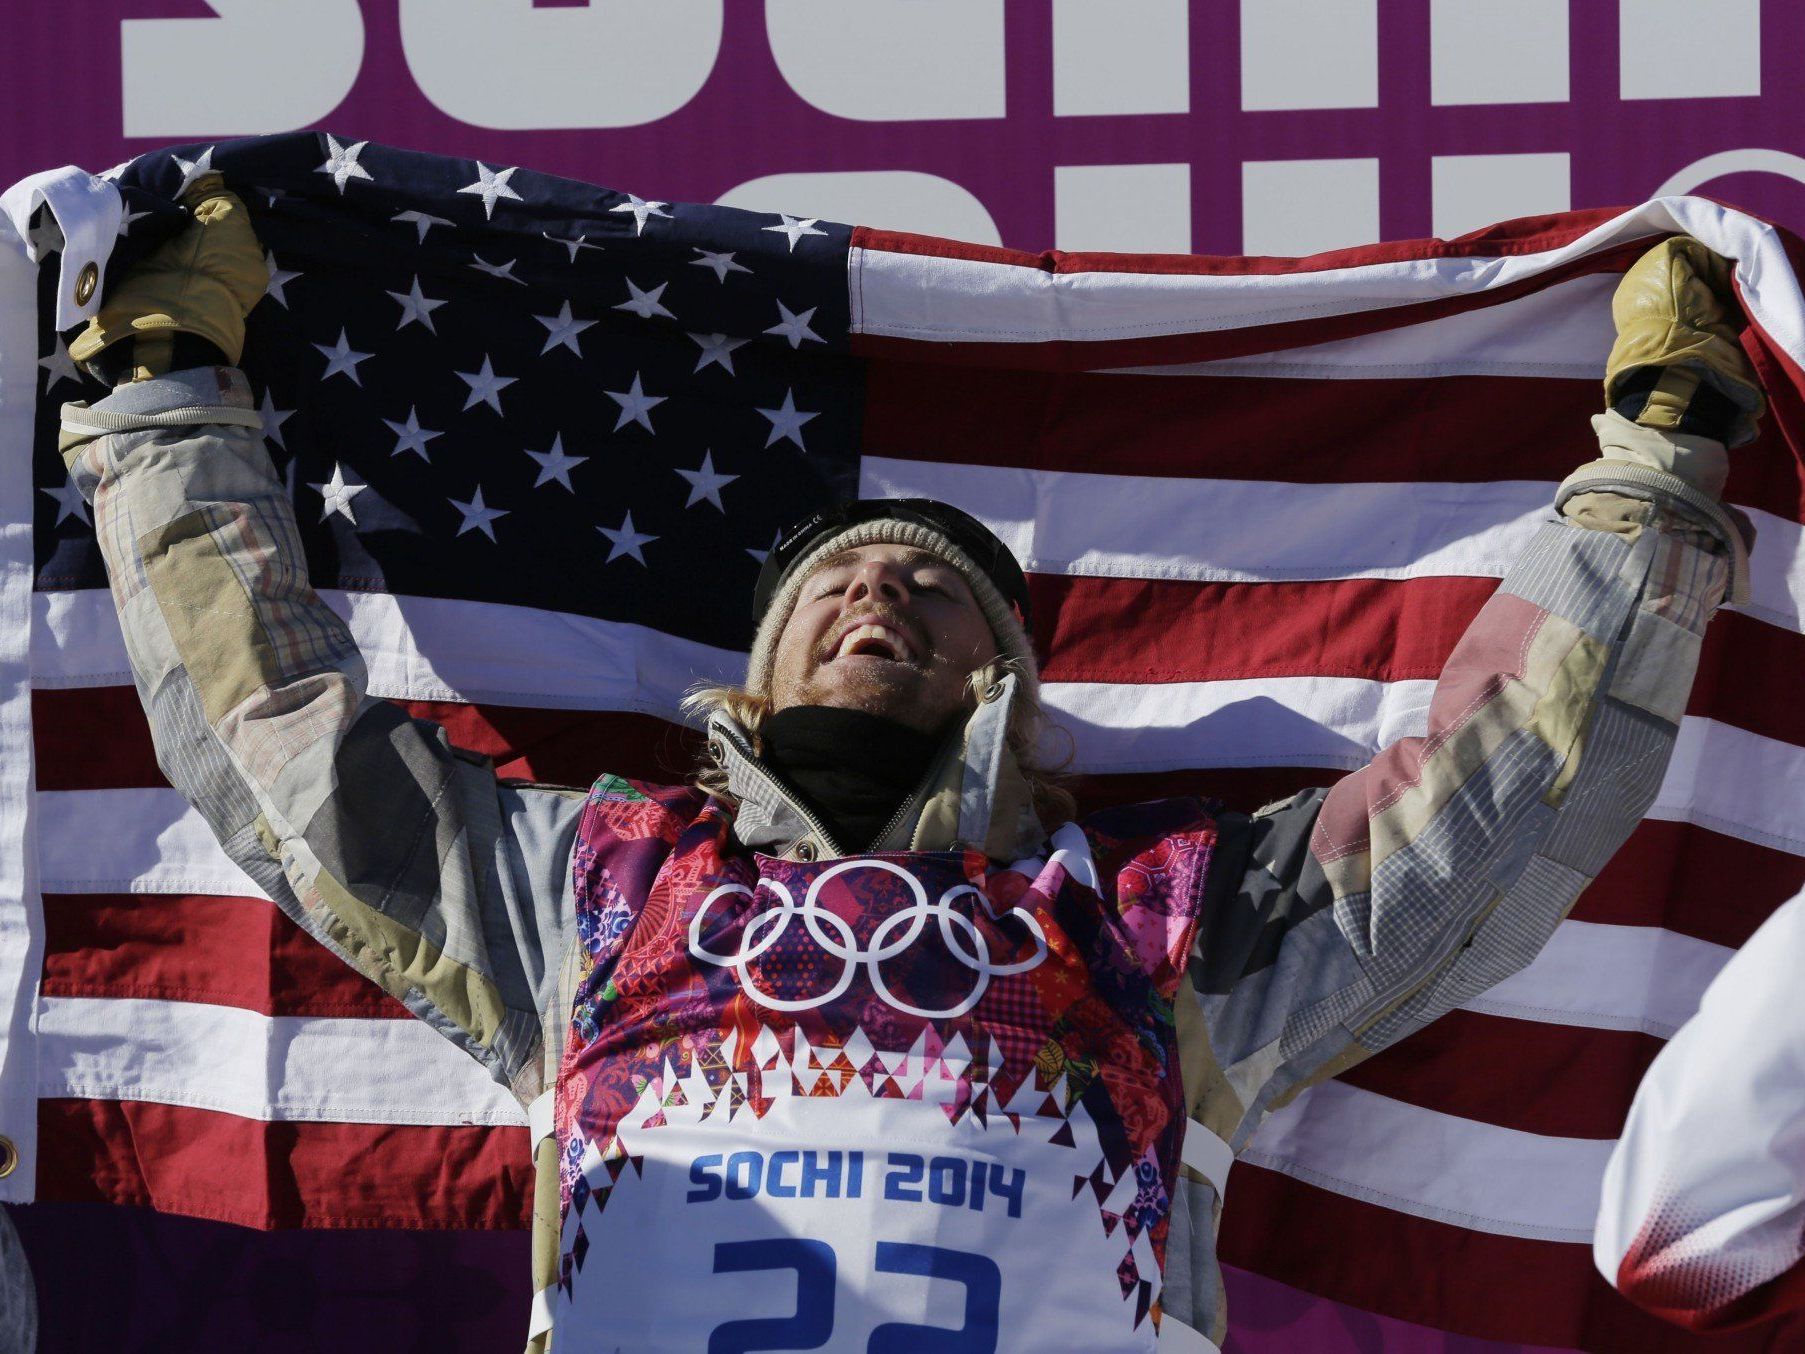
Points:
[[812, 1325]]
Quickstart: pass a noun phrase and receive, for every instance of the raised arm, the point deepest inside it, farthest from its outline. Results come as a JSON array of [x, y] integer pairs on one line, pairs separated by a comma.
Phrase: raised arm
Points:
[[367, 827], [1702, 1218], [1369, 909]]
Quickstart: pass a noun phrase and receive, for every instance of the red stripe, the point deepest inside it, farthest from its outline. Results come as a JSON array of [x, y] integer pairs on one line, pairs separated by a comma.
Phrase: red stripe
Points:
[[239, 952], [1299, 430], [1468, 1282], [267, 1175], [1477, 1066], [1074, 355]]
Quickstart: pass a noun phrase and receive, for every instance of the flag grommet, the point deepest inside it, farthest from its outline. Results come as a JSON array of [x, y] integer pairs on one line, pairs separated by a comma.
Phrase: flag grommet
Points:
[[85, 282], [9, 1156]]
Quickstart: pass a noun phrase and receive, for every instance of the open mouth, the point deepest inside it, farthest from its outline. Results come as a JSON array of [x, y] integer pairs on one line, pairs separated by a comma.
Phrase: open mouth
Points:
[[873, 640]]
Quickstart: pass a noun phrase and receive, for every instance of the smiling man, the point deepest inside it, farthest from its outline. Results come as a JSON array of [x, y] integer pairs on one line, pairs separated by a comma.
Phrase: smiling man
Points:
[[859, 1041]]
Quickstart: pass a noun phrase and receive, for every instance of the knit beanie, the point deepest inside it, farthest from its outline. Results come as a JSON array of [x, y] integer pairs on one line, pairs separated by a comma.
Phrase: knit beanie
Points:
[[1006, 622]]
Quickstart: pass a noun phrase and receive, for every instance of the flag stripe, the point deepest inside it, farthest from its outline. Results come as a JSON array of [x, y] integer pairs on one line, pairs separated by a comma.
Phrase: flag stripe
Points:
[[293, 1174], [262, 1067], [1458, 1279], [214, 949]]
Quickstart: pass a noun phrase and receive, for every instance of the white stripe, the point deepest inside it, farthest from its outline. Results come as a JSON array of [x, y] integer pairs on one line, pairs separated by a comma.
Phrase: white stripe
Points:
[[1608, 977], [1433, 1165], [961, 300], [263, 1067], [1563, 331], [1207, 1154], [430, 648], [539, 1117], [1260, 531]]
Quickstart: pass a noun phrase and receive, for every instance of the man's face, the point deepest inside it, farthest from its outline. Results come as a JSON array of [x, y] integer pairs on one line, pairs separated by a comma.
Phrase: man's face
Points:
[[886, 629]]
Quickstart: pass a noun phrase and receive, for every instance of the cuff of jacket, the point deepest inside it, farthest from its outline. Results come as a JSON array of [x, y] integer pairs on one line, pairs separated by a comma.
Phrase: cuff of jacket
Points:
[[202, 395], [1678, 495]]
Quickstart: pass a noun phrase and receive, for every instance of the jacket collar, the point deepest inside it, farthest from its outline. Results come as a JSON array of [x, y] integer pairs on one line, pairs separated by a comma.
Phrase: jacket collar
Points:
[[974, 796]]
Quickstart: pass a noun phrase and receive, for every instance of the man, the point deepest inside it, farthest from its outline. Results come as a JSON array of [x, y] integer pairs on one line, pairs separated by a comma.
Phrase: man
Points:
[[856, 1043], [1702, 1218]]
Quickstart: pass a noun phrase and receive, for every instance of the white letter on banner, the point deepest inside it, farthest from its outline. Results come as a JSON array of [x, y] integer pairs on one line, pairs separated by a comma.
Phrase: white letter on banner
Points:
[[891, 60], [885, 199], [508, 65], [260, 66]]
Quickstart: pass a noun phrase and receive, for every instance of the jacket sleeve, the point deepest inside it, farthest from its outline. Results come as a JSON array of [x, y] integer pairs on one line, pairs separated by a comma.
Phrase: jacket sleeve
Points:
[[397, 850], [1358, 914], [1702, 1217]]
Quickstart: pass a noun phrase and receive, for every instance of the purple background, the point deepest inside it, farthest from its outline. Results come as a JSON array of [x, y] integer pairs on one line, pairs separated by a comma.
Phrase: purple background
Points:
[[61, 102]]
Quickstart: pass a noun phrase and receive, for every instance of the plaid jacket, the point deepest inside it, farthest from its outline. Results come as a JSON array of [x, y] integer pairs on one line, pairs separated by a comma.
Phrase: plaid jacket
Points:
[[1347, 917]]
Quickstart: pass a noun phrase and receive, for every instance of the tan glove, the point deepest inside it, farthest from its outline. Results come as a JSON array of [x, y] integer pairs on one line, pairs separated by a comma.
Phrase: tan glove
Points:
[[203, 282], [1677, 365]]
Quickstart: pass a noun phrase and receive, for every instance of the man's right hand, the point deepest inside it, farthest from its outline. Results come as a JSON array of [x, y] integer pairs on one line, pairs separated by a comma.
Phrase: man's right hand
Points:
[[201, 283]]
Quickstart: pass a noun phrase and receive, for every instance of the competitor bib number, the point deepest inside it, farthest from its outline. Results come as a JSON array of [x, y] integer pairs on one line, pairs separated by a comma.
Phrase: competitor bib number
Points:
[[815, 1268]]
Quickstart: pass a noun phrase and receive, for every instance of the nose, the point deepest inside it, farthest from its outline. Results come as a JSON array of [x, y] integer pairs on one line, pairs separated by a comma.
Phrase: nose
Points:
[[878, 580]]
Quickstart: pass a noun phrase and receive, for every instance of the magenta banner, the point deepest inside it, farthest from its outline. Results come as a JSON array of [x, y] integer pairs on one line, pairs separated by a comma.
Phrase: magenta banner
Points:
[[1219, 126]]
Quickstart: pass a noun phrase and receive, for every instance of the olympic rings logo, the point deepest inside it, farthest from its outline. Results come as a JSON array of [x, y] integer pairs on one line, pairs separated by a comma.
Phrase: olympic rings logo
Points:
[[834, 934]]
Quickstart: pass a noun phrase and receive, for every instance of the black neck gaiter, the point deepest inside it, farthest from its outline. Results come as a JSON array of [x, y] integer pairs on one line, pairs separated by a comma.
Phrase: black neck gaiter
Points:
[[853, 770]]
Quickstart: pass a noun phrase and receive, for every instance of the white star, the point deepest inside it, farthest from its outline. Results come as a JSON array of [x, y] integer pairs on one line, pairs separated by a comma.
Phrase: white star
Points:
[[581, 242], [718, 348], [341, 162], [491, 185], [69, 502], [126, 219], [762, 555], [641, 209], [635, 405], [415, 308], [645, 304], [795, 327], [278, 279], [793, 228], [623, 540], [477, 515], [788, 420], [421, 222], [273, 419], [705, 483], [193, 169], [336, 495], [504, 270], [555, 465], [410, 436], [564, 330], [341, 359], [60, 366], [45, 236], [485, 386], [721, 263]]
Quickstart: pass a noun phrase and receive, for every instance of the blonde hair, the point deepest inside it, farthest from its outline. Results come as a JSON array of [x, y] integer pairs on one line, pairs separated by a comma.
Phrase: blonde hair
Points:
[[1029, 727]]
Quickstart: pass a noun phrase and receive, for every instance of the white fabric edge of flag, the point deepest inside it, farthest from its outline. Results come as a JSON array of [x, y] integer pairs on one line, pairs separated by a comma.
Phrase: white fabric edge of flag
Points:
[[21, 918], [1432, 1165], [1590, 974], [914, 296], [288, 1068]]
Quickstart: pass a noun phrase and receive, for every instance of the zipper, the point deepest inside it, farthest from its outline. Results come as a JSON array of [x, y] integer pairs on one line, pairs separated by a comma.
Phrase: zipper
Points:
[[914, 800], [815, 825]]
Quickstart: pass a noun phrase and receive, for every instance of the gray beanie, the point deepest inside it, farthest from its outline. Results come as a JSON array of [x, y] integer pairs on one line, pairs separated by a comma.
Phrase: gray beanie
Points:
[[1012, 639]]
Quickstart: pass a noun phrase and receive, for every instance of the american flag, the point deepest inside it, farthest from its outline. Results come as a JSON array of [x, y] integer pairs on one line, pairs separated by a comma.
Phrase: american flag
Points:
[[539, 435]]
